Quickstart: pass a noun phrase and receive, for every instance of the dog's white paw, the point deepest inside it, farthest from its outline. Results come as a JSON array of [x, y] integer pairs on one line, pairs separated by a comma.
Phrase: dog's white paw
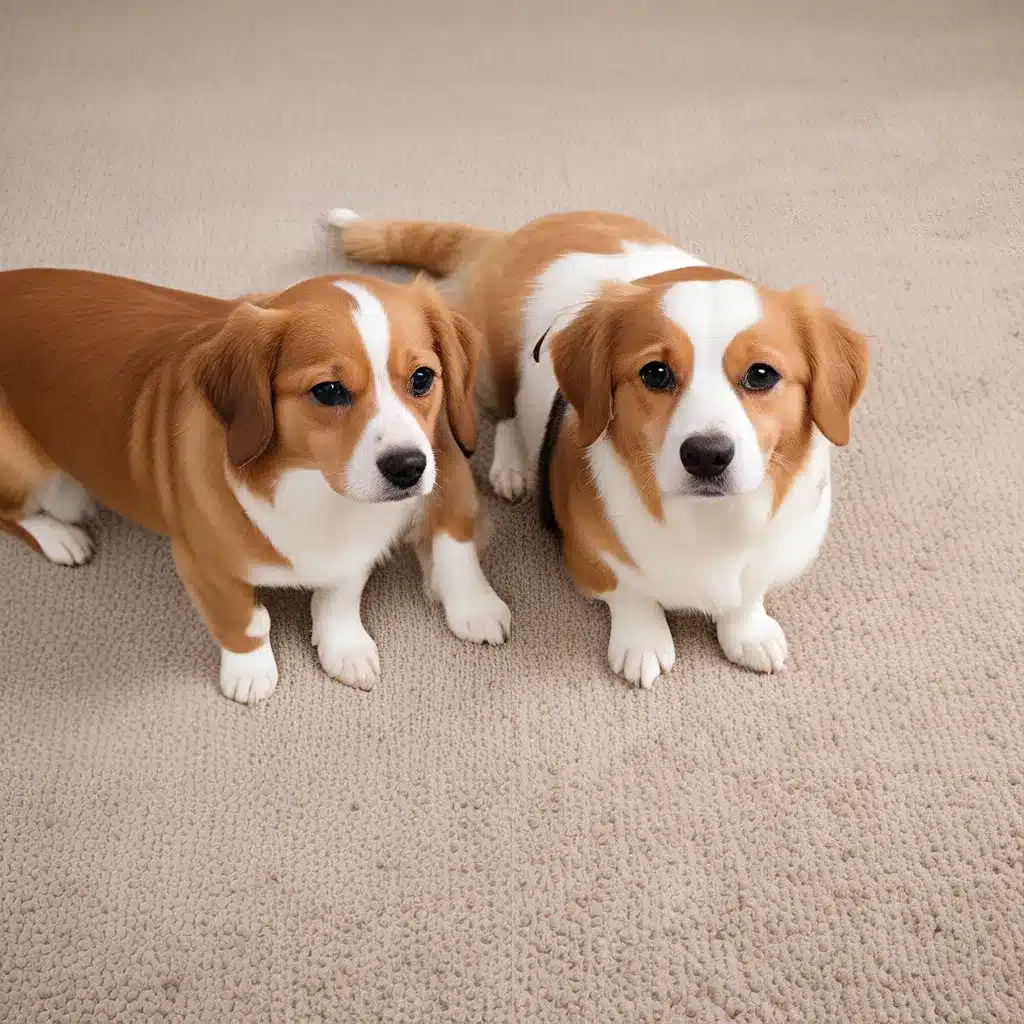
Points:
[[642, 660], [472, 609], [62, 543], [347, 653], [755, 641], [640, 647], [481, 617], [248, 678], [340, 216], [508, 467]]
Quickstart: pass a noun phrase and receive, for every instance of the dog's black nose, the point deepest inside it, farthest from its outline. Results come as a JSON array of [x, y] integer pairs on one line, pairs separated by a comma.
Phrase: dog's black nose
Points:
[[706, 455], [402, 467]]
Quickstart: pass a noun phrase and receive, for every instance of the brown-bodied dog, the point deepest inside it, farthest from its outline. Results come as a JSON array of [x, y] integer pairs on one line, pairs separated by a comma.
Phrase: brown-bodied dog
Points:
[[288, 440]]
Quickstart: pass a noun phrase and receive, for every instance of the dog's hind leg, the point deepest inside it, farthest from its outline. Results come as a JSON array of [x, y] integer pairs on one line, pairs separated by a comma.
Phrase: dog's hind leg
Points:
[[34, 493]]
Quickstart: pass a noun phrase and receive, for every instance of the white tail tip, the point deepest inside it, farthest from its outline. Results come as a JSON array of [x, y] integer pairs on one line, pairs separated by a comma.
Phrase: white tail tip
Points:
[[339, 216]]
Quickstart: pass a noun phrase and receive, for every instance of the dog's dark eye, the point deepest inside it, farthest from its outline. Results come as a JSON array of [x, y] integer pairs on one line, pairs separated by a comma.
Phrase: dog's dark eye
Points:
[[421, 381], [760, 377], [331, 392], [657, 377]]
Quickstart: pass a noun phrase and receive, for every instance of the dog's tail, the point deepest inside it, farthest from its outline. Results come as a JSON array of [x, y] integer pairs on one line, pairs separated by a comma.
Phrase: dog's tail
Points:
[[435, 246]]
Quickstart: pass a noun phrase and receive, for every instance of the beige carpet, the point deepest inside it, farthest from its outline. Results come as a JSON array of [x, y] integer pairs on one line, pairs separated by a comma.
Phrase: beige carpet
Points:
[[513, 836]]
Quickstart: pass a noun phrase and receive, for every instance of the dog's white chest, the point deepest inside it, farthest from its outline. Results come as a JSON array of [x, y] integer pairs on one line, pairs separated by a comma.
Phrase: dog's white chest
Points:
[[683, 564], [695, 558], [327, 538], [711, 556]]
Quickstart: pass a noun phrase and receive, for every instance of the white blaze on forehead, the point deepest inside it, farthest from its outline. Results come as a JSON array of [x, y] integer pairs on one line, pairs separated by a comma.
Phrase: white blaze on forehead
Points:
[[394, 425], [372, 323], [712, 313]]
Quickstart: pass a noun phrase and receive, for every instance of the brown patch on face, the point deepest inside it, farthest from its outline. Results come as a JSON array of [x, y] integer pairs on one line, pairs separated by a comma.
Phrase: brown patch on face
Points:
[[457, 345], [413, 347], [779, 415], [822, 368], [320, 344], [598, 360]]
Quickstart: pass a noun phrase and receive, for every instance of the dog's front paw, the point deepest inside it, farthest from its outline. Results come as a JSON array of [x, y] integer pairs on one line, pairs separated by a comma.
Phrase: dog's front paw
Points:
[[755, 641], [480, 618], [248, 678], [62, 543], [348, 654], [508, 467], [640, 647], [472, 609]]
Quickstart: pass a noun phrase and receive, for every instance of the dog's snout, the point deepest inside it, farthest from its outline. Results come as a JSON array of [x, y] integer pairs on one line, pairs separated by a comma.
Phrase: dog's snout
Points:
[[402, 467], [706, 455]]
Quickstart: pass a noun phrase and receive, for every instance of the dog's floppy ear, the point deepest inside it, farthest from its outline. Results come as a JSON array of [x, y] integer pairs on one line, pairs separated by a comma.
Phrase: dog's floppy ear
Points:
[[234, 373], [582, 355], [839, 360], [457, 344]]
